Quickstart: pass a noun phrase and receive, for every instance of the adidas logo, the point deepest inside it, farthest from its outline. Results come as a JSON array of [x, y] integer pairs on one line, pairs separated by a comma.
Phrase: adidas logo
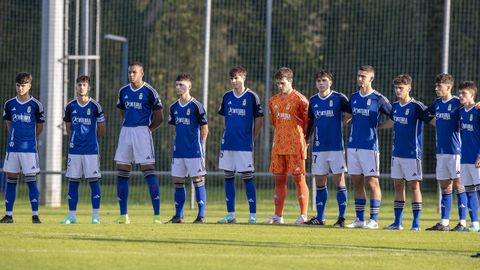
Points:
[[372, 170], [201, 202], [343, 167], [156, 198], [118, 199], [14, 109], [297, 169], [33, 167], [229, 103], [354, 102], [175, 112], [125, 97], [251, 200], [176, 203], [227, 200], [95, 172], [320, 203], [344, 203], [34, 200], [315, 106], [199, 170], [458, 172], [461, 206], [74, 111], [301, 196], [414, 174], [6, 201], [249, 165], [148, 157], [69, 198], [96, 196]]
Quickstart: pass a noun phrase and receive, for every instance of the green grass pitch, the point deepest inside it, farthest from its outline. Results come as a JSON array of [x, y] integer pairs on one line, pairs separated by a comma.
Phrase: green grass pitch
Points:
[[142, 245]]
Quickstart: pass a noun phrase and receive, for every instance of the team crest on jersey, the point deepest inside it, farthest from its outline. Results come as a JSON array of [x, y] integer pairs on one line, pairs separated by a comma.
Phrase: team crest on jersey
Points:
[[407, 111], [369, 101], [244, 103], [288, 107], [140, 96], [88, 111], [29, 109], [449, 107], [471, 117], [330, 103], [188, 111]]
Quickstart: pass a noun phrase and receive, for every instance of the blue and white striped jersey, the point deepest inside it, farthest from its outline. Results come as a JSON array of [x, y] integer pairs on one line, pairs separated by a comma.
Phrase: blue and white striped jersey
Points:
[[83, 121], [23, 117], [138, 104], [408, 128], [327, 115], [240, 113], [187, 119], [470, 134], [447, 125], [365, 112]]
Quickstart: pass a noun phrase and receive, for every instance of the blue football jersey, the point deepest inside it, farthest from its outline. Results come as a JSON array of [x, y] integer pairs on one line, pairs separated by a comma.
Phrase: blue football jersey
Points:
[[365, 112], [327, 115], [23, 117], [470, 134], [83, 126], [240, 113], [408, 127], [447, 125], [187, 119], [138, 104]]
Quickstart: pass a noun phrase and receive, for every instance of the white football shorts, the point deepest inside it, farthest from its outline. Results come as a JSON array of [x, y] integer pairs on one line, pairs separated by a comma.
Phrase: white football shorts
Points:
[[26, 163], [326, 162], [183, 167], [363, 162], [448, 166], [236, 161], [408, 169], [135, 145], [470, 175], [79, 166]]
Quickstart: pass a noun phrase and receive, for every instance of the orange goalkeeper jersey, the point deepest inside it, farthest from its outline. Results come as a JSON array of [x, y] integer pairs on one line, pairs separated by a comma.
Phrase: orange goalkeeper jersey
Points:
[[289, 115]]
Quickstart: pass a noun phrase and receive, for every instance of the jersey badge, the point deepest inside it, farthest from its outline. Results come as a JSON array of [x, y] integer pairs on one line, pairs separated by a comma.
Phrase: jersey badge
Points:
[[244, 103], [407, 111], [449, 107], [471, 117], [369, 101], [88, 111], [330, 103], [188, 111], [29, 109], [140, 96], [288, 107]]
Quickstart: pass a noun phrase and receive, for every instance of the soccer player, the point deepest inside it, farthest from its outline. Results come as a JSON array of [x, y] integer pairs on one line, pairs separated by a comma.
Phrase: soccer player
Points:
[[325, 118], [191, 129], [362, 151], [85, 124], [289, 116], [24, 120], [470, 160], [446, 109], [407, 118], [141, 110], [243, 115]]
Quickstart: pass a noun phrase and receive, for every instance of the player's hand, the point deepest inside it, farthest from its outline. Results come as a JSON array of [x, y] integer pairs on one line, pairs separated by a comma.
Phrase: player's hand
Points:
[[477, 163], [477, 106]]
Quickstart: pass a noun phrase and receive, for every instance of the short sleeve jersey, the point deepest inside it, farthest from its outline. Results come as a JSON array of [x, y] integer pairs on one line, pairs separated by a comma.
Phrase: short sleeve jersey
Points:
[[187, 119], [365, 117], [23, 117], [83, 128], [240, 113], [138, 104], [470, 134], [407, 128], [327, 115], [289, 116], [447, 125]]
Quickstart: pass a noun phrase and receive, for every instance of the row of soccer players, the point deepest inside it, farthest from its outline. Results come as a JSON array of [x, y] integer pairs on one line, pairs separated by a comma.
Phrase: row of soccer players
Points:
[[294, 122]]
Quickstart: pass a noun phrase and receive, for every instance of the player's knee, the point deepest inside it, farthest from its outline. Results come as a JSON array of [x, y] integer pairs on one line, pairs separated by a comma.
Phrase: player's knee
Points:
[[148, 172], [30, 178], [229, 174], [12, 179], [199, 182], [247, 176], [298, 178], [76, 180], [123, 174], [446, 191]]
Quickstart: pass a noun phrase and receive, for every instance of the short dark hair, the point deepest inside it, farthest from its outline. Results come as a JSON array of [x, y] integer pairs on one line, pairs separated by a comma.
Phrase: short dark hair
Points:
[[323, 73], [238, 70], [184, 77], [136, 63], [444, 78], [367, 68], [403, 79], [284, 72], [468, 85], [83, 78], [23, 78]]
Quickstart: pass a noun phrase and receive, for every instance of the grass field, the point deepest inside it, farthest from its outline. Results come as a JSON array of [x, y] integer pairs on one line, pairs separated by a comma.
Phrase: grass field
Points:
[[142, 245]]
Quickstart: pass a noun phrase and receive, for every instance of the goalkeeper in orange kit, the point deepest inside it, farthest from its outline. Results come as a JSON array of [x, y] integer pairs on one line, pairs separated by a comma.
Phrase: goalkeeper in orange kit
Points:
[[289, 116]]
